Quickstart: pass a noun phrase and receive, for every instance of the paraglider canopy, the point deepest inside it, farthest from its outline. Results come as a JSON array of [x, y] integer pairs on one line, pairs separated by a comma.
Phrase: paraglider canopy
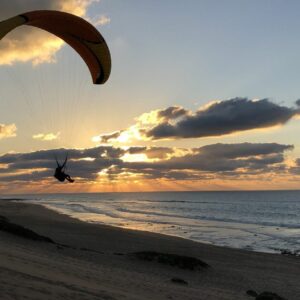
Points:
[[75, 31]]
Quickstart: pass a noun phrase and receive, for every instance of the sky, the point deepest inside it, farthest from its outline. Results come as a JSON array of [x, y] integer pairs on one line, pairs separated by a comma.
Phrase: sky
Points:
[[202, 96]]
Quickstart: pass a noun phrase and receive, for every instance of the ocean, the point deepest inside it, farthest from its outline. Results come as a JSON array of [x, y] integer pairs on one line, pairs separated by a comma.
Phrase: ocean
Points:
[[265, 221]]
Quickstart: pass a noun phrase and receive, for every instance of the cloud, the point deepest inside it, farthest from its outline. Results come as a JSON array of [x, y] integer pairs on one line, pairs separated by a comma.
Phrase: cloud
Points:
[[172, 112], [105, 138], [122, 136], [28, 44], [84, 163], [221, 118], [7, 130], [222, 158], [153, 152], [101, 20], [211, 120], [46, 136], [107, 163], [295, 167]]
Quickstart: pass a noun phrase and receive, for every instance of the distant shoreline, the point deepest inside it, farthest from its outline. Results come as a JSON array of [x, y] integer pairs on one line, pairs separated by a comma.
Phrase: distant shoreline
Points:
[[164, 191]]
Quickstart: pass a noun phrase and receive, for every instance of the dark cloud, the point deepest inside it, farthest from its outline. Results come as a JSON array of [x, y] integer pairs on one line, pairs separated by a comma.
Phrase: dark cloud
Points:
[[32, 176], [105, 138], [172, 112], [216, 159], [243, 149], [45, 155], [222, 118], [199, 163], [85, 163]]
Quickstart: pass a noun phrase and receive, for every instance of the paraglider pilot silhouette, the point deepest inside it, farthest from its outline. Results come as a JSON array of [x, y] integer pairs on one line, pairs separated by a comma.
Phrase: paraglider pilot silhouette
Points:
[[60, 174]]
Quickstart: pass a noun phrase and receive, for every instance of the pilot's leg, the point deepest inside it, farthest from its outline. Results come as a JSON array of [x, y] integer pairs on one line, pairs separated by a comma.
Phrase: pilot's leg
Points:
[[69, 178]]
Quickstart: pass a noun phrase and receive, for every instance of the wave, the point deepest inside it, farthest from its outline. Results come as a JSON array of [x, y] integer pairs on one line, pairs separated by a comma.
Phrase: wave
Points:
[[211, 218], [13, 199], [79, 208], [132, 215]]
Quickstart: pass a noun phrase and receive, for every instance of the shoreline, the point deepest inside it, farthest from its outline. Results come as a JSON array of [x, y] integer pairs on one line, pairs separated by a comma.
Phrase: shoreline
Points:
[[218, 224], [262, 237], [280, 251], [248, 242], [232, 271]]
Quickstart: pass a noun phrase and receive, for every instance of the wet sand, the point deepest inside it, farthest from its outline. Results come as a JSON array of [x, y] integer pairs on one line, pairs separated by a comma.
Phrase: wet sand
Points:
[[90, 261]]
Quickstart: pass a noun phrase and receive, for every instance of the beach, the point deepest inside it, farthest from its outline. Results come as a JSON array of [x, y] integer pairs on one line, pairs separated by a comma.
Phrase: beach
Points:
[[92, 261], [263, 221]]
